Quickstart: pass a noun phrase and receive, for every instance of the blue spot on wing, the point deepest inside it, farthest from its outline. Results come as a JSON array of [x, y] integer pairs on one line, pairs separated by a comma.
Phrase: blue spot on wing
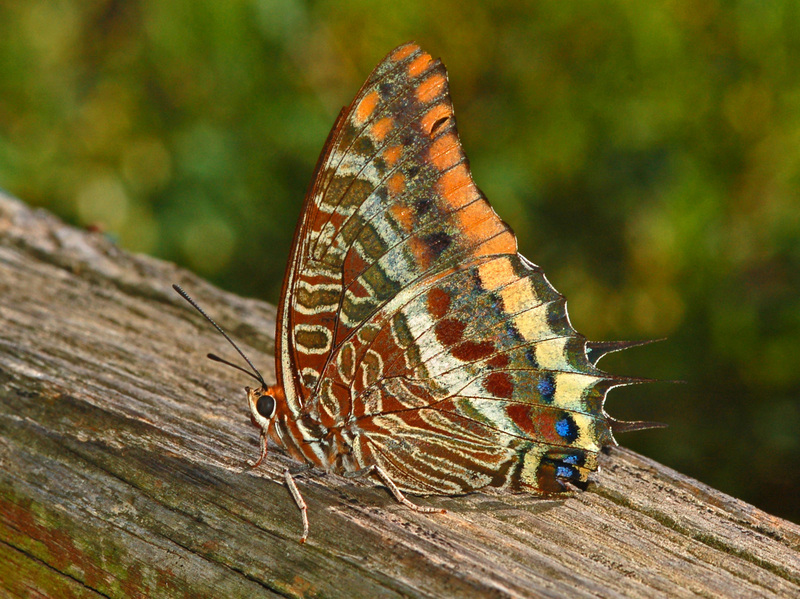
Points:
[[566, 472], [546, 387], [566, 428]]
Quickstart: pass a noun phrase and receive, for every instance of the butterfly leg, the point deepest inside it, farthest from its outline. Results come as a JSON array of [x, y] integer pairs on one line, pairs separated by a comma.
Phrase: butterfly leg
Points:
[[260, 459], [301, 468], [398, 494], [298, 499]]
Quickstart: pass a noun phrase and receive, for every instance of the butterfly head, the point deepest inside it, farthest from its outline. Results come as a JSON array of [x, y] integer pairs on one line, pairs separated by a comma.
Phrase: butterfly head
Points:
[[263, 404]]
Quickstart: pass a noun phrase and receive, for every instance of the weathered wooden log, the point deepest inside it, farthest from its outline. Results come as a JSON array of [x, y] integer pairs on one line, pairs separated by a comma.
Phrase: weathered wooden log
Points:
[[122, 469]]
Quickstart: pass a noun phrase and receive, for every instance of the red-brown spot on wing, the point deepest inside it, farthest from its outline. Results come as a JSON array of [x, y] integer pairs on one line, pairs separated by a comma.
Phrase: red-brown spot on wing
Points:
[[499, 384], [449, 331], [499, 361], [520, 414], [438, 302], [472, 351], [543, 425]]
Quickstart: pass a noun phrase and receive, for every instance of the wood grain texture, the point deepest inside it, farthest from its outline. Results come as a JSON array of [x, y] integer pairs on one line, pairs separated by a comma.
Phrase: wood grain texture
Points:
[[122, 469]]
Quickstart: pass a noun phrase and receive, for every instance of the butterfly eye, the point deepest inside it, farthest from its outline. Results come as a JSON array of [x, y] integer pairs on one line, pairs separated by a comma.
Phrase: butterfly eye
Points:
[[266, 406]]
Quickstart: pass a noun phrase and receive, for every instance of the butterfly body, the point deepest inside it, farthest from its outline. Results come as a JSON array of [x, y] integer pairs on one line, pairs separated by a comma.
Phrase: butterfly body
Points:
[[413, 342]]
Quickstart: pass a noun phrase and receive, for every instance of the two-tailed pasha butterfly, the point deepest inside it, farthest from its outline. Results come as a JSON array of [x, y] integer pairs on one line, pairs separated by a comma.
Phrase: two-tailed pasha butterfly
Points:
[[413, 342]]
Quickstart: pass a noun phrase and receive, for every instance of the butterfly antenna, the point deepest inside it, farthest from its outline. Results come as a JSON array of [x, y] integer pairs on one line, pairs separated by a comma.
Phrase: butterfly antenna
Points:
[[194, 305], [216, 358]]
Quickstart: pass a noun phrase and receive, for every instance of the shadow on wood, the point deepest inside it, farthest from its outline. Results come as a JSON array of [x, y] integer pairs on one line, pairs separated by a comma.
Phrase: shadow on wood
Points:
[[122, 469]]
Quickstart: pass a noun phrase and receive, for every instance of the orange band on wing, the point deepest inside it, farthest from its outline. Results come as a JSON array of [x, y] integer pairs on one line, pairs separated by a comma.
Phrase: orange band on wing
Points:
[[382, 128], [472, 218], [446, 152], [404, 52], [396, 184], [419, 65], [392, 154], [439, 111], [403, 216], [496, 273], [505, 243], [367, 106], [456, 186], [430, 88]]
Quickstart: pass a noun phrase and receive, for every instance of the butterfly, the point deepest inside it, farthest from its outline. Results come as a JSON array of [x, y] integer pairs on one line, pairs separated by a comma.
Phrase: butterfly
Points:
[[414, 343]]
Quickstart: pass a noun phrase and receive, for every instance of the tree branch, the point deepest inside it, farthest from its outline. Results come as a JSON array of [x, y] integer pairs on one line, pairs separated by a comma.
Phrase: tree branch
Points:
[[122, 469]]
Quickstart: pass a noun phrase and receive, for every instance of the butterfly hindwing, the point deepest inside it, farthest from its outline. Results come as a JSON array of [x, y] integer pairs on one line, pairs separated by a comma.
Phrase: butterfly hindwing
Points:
[[487, 352]]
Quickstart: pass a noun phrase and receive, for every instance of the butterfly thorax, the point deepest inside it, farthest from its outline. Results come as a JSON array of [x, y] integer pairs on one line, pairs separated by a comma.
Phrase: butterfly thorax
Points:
[[307, 435]]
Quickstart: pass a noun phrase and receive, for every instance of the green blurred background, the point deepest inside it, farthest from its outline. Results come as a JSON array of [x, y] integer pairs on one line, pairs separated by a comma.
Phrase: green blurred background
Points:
[[646, 153]]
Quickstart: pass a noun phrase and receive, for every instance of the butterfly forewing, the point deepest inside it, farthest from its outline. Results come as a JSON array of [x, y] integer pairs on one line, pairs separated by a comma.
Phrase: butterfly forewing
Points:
[[409, 326]]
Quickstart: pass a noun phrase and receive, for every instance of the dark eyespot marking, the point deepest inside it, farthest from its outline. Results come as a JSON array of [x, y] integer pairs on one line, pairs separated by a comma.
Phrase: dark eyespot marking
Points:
[[423, 204], [497, 302], [437, 243], [266, 406], [364, 146]]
